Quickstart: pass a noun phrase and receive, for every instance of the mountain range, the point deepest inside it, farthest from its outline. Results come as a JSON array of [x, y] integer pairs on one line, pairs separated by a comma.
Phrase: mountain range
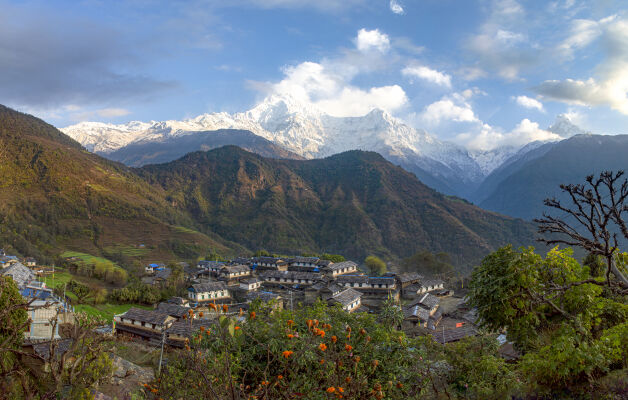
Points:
[[310, 133], [57, 195]]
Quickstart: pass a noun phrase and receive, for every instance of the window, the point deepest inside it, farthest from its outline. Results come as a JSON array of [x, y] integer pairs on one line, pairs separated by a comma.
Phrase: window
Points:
[[143, 323]]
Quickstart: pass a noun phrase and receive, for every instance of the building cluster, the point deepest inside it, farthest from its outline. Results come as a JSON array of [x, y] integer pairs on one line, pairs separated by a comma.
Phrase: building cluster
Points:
[[285, 282], [46, 310]]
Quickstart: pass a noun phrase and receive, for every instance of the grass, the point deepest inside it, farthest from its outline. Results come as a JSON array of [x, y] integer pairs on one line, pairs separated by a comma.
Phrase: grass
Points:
[[183, 229], [86, 258], [129, 251], [107, 311]]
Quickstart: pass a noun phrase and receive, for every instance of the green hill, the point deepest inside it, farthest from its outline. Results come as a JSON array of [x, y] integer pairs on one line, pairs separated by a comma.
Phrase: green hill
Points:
[[520, 190], [355, 203], [54, 195]]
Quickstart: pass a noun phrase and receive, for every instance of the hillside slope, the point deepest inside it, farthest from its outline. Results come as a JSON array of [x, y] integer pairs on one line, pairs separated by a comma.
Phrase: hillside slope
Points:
[[55, 195], [354, 203], [521, 191], [169, 149]]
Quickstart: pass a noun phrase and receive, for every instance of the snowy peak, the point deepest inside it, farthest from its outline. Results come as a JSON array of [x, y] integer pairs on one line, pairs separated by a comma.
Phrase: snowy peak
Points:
[[564, 127]]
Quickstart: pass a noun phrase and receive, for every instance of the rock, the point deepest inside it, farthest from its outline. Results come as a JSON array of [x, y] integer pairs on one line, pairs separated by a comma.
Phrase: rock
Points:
[[126, 369]]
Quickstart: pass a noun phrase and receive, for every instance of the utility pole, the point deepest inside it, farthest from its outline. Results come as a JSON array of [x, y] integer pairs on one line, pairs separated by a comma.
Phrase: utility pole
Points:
[[161, 356]]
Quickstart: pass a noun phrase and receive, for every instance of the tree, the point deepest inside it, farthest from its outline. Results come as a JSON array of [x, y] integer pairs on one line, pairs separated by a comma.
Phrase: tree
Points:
[[333, 257], [81, 291], [13, 321], [597, 210], [375, 265], [428, 263]]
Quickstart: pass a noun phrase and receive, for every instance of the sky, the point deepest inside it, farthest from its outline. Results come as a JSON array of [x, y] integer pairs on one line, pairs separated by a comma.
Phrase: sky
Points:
[[476, 72]]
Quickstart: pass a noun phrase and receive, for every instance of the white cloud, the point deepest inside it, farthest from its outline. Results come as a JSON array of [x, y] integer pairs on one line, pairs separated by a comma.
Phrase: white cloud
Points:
[[610, 87], [87, 115], [471, 73], [528, 102], [499, 47], [372, 40], [354, 102], [489, 138], [450, 108], [582, 33], [396, 8], [323, 87], [428, 74]]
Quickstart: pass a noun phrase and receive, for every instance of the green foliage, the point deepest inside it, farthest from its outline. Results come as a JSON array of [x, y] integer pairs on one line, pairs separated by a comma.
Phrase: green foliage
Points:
[[81, 291], [375, 265], [570, 329], [138, 293], [13, 321], [336, 258], [429, 264]]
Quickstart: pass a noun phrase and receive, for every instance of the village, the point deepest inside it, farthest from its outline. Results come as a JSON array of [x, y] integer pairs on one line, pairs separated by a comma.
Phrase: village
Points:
[[428, 307]]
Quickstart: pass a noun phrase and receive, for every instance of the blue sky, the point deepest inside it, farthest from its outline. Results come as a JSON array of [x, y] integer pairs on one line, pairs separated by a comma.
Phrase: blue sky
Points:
[[474, 72]]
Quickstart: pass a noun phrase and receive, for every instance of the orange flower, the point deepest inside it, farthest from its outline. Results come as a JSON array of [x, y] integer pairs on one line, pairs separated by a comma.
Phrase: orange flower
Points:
[[236, 328], [362, 332], [209, 331], [264, 383], [322, 346], [252, 315], [279, 376], [349, 336], [368, 339], [309, 323], [202, 329], [399, 385], [287, 353], [225, 308], [356, 359], [212, 306], [331, 389], [322, 334], [200, 314], [348, 379], [185, 316], [154, 390], [290, 322], [316, 322], [334, 339], [341, 390], [348, 347], [375, 363], [290, 336], [322, 361]]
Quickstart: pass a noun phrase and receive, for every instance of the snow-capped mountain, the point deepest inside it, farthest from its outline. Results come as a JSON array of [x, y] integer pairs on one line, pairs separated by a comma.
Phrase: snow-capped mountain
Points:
[[311, 133]]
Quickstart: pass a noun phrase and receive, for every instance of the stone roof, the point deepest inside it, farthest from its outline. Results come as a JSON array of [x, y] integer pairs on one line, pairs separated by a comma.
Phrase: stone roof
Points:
[[173, 310], [163, 274], [452, 335], [188, 327], [299, 259], [264, 296], [416, 311], [339, 266], [291, 275], [346, 297], [177, 300], [232, 269], [149, 316], [352, 279], [409, 277], [42, 349], [20, 273], [208, 287], [250, 281], [429, 301], [324, 263], [431, 282]]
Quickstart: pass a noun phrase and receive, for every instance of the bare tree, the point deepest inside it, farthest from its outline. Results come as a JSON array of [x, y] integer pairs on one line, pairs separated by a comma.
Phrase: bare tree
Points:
[[597, 208]]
